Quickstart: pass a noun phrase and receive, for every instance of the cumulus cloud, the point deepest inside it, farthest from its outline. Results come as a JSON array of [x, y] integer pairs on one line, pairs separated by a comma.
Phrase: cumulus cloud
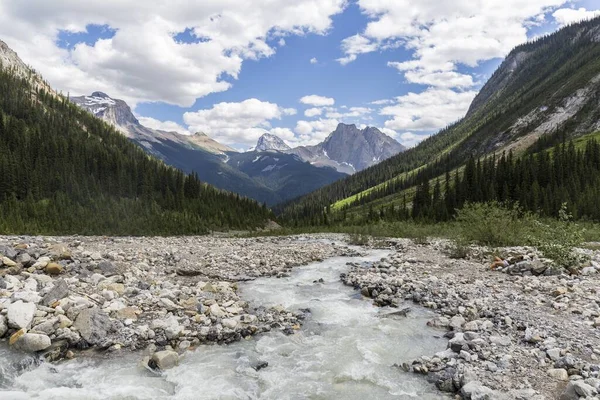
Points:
[[566, 16], [353, 112], [281, 42], [429, 110], [169, 126], [313, 132], [143, 60], [238, 123], [443, 34], [314, 60], [410, 139], [313, 112], [354, 45], [317, 101]]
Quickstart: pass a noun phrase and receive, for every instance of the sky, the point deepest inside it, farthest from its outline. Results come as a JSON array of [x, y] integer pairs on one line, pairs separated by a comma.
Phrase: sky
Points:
[[236, 69]]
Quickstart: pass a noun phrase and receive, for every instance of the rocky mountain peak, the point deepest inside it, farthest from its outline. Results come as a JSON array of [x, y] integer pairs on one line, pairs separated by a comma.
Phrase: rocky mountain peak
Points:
[[269, 142], [114, 111]]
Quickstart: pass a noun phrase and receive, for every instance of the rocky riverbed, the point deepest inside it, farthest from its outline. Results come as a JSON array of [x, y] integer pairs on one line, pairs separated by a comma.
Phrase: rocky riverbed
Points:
[[60, 295], [527, 331]]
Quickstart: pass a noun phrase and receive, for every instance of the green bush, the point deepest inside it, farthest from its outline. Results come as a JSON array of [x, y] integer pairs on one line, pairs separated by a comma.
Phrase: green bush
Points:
[[495, 225], [556, 239]]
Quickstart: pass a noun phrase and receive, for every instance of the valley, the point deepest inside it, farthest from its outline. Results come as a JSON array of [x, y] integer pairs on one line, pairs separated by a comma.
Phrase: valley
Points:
[[250, 218]]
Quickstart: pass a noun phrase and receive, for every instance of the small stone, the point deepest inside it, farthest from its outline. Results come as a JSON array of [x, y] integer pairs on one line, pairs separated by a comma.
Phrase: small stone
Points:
[[457, 322], [53, 269], [3, 325], [8, 262], [553, 354], [15, 336], [216, 311], [229, 323], [559, 373], [559, 291], [500, 340]]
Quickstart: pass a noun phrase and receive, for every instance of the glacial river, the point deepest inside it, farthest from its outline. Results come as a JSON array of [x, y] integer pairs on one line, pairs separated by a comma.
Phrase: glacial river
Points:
[[345, 350]]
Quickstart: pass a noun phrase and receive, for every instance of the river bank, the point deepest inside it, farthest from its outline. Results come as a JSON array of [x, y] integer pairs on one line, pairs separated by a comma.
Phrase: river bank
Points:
[[528, 331]]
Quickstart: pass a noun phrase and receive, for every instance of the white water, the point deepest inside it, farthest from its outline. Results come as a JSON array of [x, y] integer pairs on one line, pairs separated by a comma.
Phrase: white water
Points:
[[344, 351]]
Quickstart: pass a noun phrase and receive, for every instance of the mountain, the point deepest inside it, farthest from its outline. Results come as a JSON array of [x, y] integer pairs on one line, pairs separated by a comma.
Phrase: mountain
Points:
[[544, 92], [203, 141], [197, 153], [286, 174], [64, 171], [268, 142], [349, 149], [213, 162]]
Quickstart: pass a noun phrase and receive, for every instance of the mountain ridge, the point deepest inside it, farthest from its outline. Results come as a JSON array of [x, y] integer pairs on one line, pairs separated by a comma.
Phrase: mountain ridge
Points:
[[545, 88]]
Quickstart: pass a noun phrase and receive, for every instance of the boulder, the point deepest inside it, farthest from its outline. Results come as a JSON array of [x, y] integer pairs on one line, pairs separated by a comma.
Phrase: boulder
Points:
[[93, 325], [32, 342], [474, 390], [575, 389], [457, 322], [58, 292], [164, 360], [20, 314], [59, 252]]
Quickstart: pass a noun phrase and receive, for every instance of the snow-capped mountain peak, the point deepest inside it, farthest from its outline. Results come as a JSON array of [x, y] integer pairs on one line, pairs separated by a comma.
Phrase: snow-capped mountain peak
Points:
[[269, 142]]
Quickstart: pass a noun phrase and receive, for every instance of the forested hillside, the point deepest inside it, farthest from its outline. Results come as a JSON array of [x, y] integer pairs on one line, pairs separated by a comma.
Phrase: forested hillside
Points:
[[64, 171], [544, 91]]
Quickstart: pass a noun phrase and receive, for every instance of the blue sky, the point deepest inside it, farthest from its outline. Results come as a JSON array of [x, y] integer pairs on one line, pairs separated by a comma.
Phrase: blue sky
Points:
[[236, 72]]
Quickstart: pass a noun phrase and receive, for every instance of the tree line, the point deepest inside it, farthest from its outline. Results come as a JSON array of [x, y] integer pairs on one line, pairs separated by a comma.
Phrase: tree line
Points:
[[64, 171]]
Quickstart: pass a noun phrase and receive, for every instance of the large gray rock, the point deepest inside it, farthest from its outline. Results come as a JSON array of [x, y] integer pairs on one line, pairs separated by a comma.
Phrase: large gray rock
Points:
[[93, 325], [8, 252], [107, 268], [20, 314], [474, 390], [32, 342], [59, 291], [164, 360], [575, 389]]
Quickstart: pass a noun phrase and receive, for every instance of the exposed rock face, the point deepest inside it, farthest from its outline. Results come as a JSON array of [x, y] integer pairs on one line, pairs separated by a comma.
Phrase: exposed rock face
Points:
[[268, 142], [349, 149]]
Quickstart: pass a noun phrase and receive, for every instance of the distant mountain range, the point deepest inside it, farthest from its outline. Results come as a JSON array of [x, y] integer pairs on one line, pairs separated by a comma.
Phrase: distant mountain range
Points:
[[274, 178]]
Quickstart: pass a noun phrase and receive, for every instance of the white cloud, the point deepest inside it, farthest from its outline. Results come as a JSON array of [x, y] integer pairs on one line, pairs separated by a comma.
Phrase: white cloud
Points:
[[237, 123], [143, 61], [429, 110], [317, 101], [281, 42], [169, 126], [354, 45], [566, 16], [353, 112], [313, 112], [314, 60], [410, 139], [382, 102], [445, 33], [313, 132]]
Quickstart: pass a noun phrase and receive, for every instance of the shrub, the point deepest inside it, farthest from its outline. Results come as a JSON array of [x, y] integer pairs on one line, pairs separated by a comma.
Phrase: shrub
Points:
[[557, 239], [493, 224]]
